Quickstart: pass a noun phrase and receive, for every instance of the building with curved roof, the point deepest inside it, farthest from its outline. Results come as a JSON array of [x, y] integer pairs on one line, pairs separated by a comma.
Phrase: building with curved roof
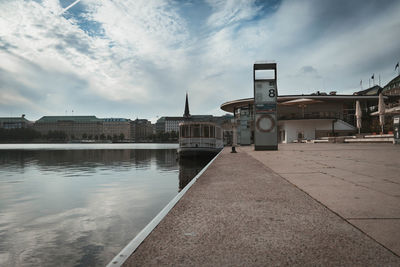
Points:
[[304, 117]]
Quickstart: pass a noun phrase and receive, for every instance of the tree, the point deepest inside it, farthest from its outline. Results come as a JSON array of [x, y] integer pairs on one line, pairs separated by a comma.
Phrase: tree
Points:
[[84, 136], [121, 137], [174, 135], [56, 136], [19, 134], [102, 136]]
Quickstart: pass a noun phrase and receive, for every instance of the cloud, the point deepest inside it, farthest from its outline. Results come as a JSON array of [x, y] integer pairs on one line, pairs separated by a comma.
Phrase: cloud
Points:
[[68, 7], [308, 69], [347, 42], [227, 12], [140, 57], [62, 47]]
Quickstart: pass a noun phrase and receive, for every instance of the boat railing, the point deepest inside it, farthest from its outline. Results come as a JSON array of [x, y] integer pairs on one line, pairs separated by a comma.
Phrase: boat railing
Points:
[[197, 142]]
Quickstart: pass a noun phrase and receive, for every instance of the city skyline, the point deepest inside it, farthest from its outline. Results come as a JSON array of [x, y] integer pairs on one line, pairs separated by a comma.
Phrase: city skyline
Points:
[[137, 59]]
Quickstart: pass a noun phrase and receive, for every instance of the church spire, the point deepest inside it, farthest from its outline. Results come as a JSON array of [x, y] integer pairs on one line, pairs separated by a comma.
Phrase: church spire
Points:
[[186, 114]]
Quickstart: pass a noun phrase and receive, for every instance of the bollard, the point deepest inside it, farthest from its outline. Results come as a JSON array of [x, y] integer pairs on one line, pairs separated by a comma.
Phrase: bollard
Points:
[[233, 149]]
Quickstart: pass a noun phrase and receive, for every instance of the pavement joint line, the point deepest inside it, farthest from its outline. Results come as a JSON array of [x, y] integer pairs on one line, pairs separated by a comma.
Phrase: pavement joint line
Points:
[[346, 159], [344, 180], [357, 183], [128, 250], [372, 218], [334, 212], [390, 181], [298, 172]]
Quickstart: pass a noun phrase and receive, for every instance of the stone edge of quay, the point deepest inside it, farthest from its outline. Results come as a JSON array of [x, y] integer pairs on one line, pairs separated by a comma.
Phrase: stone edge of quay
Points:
[[130, 248]]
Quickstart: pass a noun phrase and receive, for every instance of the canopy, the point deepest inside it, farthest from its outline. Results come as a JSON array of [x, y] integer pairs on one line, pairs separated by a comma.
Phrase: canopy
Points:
[[300, 101]]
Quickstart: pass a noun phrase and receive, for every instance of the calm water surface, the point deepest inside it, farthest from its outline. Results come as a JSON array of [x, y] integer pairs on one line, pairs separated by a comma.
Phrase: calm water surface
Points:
[[79, 205]]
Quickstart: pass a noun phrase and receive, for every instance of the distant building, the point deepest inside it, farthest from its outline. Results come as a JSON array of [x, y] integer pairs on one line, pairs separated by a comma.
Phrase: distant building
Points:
[[15, 122], [84, 127], [391, 91], [75, 127], [117, 127], [160, 125], [374, 90], [225, 121], [141, 130], [170, 124], [393, 87]]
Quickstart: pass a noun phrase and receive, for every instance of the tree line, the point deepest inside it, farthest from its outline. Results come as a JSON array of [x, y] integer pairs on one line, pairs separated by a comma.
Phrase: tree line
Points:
[[26, 135]]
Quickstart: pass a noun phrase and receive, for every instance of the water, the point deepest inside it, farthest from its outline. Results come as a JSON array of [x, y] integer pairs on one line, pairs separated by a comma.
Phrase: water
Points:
[[79, 205]]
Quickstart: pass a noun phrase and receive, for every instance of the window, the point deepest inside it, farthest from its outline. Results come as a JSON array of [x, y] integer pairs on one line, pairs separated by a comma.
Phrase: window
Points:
[[212, 131], [185, 131], [206, 131], [219, 133], [196, 130]]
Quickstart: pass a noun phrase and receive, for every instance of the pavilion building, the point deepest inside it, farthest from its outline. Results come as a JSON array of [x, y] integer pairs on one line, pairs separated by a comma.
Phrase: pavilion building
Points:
[[303, 117]]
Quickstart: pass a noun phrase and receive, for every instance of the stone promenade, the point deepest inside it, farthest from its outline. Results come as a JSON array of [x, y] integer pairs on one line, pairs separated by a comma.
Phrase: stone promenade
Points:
[[304, 205]]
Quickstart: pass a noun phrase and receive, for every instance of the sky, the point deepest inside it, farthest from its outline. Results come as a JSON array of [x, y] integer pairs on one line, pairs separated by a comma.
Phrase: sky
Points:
[[138, 58]]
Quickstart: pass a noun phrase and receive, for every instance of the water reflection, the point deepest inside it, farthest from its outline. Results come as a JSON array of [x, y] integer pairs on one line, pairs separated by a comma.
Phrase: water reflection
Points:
[[81, 207], [189, 168]]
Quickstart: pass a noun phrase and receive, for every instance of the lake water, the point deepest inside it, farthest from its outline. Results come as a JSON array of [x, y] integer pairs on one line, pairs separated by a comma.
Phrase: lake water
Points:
[[79, 205]]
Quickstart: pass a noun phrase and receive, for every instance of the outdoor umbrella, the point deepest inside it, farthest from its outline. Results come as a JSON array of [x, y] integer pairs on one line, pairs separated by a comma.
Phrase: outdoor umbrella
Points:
[[358, 116], [381, 111]]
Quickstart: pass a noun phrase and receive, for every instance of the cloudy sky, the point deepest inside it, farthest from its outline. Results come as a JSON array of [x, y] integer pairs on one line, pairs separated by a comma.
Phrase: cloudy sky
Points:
[[138, 58]]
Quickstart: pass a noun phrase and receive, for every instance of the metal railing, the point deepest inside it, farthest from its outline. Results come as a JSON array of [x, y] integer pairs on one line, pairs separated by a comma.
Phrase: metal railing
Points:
[[197, 142]]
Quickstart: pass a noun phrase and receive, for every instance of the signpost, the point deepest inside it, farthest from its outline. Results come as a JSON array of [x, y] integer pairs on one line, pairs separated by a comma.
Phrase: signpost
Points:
[[265, 96]]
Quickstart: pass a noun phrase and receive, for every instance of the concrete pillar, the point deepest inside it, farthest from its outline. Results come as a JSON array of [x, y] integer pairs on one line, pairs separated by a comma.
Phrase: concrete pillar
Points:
[[234, 134]]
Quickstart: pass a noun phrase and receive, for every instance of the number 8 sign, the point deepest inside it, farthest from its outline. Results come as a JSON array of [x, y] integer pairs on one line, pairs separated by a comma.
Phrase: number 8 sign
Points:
[[271, 93], [264, 92]]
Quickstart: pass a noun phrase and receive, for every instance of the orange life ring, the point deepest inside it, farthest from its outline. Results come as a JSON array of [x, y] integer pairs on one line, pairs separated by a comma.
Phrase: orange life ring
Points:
[[265, 116]]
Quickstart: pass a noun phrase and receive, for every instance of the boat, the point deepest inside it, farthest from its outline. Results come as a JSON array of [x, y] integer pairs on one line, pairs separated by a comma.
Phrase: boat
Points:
[[199, 139]]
